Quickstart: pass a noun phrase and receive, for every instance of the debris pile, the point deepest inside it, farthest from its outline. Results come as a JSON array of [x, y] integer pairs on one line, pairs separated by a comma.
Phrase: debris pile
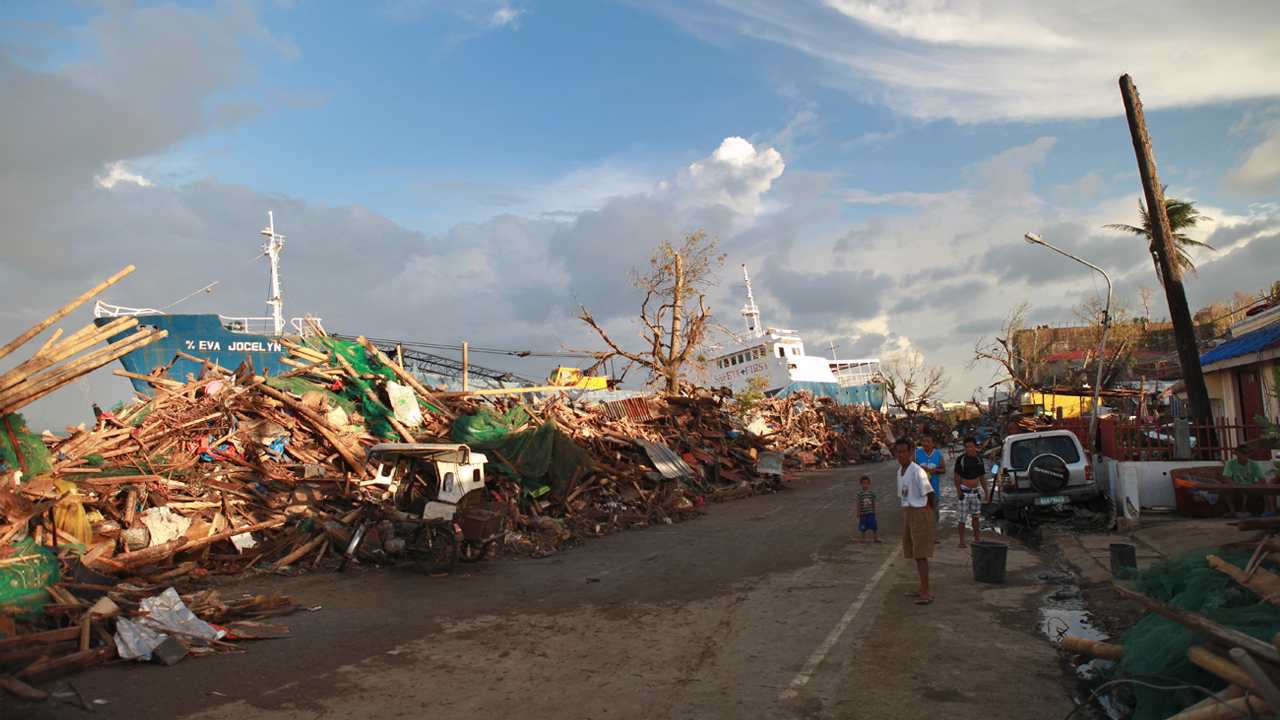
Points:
[[227, 471]]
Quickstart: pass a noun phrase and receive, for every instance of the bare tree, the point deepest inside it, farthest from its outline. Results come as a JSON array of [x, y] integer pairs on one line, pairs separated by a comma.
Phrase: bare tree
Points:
[[1123, 336], [677, 322], [912, 383], [1146, 292], [1016, 351]]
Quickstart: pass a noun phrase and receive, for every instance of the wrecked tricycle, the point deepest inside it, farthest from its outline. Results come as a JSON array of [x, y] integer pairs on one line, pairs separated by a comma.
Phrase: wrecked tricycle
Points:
[[425, 502]]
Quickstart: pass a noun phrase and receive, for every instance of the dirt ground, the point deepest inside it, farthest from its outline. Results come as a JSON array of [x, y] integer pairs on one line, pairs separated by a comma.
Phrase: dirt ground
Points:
[[766, 607]]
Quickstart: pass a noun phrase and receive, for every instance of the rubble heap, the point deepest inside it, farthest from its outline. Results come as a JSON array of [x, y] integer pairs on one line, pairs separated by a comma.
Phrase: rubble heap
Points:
[[229, 471]]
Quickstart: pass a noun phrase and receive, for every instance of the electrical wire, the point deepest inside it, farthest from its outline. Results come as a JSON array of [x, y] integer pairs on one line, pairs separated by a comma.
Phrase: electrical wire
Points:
[[489, 351], [208, 287], [1207, 692]]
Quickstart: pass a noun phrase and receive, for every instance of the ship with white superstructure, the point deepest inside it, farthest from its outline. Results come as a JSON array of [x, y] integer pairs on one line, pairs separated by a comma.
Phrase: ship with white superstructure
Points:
[[778, 356]]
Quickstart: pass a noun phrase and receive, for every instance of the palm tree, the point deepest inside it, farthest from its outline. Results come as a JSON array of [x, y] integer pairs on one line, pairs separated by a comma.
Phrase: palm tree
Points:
[[1181, 215]]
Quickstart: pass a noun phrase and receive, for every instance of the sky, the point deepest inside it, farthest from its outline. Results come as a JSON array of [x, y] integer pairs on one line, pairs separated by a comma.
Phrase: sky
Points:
[[471, 170]]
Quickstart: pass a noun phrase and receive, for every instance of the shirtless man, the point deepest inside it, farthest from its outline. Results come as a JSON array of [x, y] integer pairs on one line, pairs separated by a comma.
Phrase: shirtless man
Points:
[[969, 476]]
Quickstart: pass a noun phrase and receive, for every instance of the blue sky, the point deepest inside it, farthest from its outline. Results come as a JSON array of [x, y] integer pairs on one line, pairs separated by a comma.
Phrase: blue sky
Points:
[[452, 170]]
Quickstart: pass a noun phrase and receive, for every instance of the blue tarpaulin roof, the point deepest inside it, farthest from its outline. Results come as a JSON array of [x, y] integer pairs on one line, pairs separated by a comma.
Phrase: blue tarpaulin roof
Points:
[[1243, 345]]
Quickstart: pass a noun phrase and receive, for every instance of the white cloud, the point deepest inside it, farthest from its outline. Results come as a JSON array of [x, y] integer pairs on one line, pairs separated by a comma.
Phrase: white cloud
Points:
[[977, 60], [482, 14], [1260, 171], [735, 175], [116, 173]]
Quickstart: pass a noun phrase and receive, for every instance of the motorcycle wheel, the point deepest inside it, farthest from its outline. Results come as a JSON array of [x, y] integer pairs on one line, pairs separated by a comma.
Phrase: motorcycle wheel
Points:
[[434, 548], [472, 552]]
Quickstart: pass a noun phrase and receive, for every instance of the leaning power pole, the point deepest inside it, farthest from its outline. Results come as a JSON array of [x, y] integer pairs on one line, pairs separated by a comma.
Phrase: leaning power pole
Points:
[[1184, 330]]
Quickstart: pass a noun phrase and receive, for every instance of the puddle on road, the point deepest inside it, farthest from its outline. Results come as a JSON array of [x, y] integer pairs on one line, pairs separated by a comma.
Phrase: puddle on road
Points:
[[1064, 612]]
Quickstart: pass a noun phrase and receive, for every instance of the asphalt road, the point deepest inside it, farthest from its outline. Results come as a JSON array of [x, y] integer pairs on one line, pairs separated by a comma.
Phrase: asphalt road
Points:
[[765, 607]]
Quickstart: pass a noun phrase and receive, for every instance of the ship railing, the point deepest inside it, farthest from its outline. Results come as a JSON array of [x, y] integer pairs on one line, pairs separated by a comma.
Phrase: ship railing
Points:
[[266, 325], [101, 310], [856, 372]]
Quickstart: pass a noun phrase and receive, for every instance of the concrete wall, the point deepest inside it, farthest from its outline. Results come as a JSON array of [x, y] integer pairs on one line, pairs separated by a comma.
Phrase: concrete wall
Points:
[[1137, 486]]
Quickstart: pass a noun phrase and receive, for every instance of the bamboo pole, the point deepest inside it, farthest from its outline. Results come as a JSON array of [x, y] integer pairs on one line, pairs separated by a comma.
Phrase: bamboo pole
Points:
[[44, 324], [52, 373], [57, 333], [409, 380], [1221, 667], [148, 378], [502, 391], [64, 350], [1092, 648], [328, 431], [11, 404]]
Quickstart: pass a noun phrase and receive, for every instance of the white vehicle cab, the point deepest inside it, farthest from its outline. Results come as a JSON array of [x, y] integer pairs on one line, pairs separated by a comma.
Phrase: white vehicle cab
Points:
[[1043, 468]]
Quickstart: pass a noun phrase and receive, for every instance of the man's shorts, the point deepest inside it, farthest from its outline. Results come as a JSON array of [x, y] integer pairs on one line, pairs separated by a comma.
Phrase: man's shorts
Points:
[[970, 502], [917, 532], [866, 522]]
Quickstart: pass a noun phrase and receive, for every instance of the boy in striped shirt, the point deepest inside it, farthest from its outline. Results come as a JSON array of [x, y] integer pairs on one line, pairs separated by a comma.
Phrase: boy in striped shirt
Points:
[[867, 511]]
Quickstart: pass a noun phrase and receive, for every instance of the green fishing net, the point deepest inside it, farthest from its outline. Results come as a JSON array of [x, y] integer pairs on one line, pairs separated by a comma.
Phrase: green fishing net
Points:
[[362, 394], [24, 574], [1158, 647], [35, 456]]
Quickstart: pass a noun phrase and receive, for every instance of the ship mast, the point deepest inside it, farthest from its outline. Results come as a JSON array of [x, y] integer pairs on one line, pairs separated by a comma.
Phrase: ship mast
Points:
[[272, 250], [749, 311]]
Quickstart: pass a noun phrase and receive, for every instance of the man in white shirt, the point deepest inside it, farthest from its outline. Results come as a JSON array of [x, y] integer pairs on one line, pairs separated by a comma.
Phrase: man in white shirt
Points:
[[915, 492]]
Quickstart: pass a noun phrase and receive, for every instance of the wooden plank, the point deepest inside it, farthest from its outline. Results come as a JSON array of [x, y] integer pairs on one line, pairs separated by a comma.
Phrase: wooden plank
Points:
[[1204, 626], [40, 638]]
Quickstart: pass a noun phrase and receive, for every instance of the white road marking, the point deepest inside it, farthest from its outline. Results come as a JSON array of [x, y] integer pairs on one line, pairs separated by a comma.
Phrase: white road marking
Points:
[[811, 665]]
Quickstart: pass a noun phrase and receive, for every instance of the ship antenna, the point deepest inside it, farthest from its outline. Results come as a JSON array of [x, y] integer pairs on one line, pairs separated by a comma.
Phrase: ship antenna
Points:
[[272, 250], [750, 311]]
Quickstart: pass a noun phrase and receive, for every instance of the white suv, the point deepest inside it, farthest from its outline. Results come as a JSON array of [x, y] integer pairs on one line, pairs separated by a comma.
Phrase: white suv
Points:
[[1043, 468]]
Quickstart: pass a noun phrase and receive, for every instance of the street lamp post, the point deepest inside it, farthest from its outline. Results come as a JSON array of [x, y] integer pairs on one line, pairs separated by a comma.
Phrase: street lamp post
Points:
[[1106, 321]]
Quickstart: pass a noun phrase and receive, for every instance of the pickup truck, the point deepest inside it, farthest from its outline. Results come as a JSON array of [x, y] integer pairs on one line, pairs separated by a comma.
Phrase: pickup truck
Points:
[[1043, 468]]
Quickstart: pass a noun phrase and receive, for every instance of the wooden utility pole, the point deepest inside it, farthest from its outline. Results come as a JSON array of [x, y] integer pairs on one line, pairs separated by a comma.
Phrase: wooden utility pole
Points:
[[1184, 329]]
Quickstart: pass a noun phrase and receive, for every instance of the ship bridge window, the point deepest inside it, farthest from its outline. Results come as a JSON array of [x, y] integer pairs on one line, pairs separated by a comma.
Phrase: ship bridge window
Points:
[[757, 352], [795, 351], [780, 351]]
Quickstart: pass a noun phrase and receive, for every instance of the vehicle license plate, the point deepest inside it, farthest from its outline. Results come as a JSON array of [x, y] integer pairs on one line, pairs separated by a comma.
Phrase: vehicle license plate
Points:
[[1051, 500]]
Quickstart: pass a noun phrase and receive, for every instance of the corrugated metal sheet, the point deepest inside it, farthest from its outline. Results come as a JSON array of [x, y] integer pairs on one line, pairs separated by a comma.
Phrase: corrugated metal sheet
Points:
[[1253, 342], [637, 409], [667, 462]]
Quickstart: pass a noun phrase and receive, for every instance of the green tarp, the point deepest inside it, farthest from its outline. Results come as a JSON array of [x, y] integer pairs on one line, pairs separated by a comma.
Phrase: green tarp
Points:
[[542, 457]]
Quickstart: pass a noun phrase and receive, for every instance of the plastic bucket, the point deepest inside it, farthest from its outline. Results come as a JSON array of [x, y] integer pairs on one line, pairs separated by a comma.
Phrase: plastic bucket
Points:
[[989, 561]]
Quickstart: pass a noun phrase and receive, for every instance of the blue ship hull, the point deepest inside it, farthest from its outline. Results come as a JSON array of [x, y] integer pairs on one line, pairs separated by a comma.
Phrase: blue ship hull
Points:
[[872, 394], [201, 336]]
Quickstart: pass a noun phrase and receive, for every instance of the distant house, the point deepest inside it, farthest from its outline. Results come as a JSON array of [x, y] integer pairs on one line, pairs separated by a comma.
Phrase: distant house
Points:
[[1239, 372]]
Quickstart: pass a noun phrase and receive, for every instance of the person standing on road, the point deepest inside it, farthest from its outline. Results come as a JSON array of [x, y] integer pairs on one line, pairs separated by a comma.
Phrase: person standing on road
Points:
[[916, 495], [969, 476], [867, 511], [930, 458]]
